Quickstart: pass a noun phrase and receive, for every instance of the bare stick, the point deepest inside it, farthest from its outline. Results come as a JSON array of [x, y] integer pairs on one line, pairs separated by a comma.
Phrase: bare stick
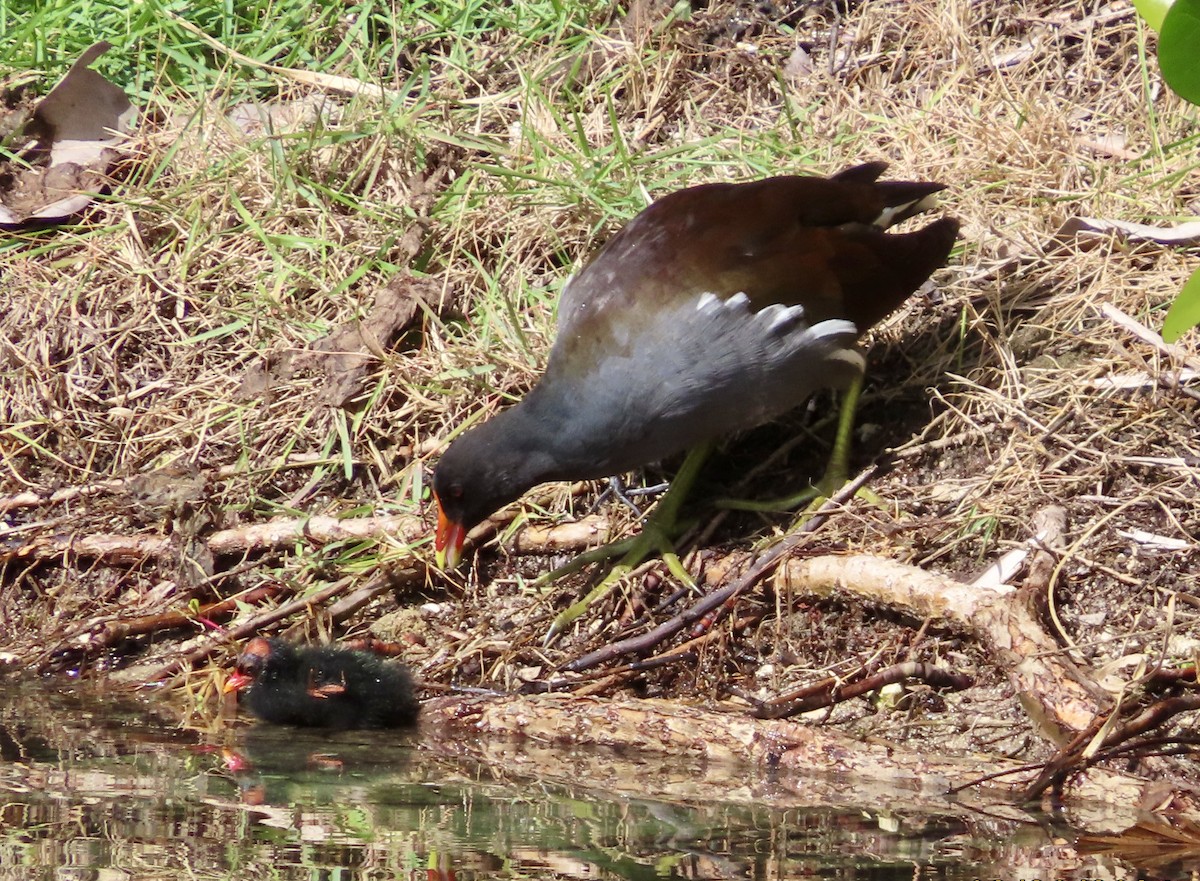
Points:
[[761, 566]]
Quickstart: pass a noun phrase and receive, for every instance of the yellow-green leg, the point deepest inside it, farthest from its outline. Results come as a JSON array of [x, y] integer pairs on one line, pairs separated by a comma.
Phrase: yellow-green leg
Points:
[[656, 536], [836, 471]]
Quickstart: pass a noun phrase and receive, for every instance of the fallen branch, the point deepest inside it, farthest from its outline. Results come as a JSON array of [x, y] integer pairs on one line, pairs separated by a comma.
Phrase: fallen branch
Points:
[[832, 691], [407, 528], [113, 632], [251, 626], [395, 577], [483, 728], [575, 535], [1060, 699], [1083, 753]]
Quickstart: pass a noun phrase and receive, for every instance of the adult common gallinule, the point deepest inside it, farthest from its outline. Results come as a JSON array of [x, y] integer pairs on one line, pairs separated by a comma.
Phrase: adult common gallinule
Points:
[[323, 686], [716, 309]]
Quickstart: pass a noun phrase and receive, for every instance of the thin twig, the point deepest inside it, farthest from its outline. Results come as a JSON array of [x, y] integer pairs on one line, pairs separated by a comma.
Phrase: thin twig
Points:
[[253, 625], [762, 564]]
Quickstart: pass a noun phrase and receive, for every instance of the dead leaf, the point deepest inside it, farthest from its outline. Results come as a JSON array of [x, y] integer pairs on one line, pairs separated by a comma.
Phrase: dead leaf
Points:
[[345, 355], [254, 119], [1182, 234], [1112, 144], [799, 64], [72, 133]]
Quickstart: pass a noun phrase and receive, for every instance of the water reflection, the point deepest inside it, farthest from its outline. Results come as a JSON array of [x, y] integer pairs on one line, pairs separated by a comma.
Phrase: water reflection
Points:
[[98, 787]]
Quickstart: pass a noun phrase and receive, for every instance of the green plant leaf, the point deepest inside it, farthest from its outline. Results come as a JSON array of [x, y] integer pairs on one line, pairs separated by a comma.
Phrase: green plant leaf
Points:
[[1179, 49], [1184, 313], [1154, 11]]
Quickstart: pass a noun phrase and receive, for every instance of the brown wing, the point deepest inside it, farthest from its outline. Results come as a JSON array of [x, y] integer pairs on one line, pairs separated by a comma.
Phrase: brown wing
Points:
[[819, 242]]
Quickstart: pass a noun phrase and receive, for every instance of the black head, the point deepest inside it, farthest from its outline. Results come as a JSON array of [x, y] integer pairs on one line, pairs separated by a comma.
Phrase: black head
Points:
[[259, 654], [487, 468], [468, 486]]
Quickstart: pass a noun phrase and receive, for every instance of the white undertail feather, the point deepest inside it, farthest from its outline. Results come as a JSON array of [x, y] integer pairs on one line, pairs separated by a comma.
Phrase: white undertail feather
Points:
[[889, 215]]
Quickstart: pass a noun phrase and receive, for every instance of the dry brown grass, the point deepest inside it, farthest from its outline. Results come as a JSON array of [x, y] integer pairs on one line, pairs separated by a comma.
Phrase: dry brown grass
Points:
[[129, 336]]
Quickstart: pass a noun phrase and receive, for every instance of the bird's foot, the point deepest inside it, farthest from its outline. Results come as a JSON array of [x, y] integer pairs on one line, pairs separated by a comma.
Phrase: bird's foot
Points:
[[609, 551], [816, 496], [836, 470], [653, 539], [658, 532], [809, 500]]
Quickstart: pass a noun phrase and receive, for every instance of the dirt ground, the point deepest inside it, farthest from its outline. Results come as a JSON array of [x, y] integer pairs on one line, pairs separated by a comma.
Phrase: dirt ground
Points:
[[158, 462]]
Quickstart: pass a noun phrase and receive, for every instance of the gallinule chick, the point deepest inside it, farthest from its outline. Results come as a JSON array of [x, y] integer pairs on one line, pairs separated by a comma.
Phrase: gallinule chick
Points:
[[716, 309], [323, 686]]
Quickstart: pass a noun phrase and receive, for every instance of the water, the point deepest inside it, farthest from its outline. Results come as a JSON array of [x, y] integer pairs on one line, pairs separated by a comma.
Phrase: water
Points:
[[94, 786]]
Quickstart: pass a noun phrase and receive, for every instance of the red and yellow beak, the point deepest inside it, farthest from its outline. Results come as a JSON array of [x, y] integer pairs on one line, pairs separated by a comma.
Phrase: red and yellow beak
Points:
[[236, 682], [448, 541]]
